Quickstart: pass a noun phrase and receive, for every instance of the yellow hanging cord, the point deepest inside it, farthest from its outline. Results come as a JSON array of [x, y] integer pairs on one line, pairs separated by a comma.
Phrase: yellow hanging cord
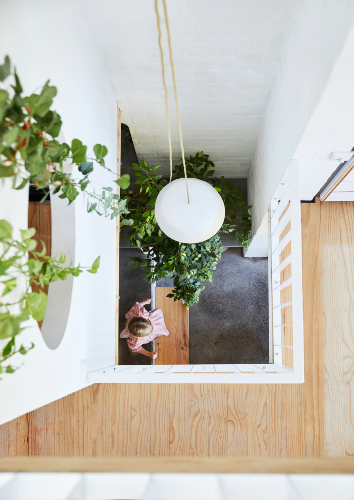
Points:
[[175, 88], [164, 84]]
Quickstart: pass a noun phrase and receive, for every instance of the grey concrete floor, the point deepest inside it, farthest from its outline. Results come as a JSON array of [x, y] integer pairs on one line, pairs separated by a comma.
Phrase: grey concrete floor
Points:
[[229, 324]]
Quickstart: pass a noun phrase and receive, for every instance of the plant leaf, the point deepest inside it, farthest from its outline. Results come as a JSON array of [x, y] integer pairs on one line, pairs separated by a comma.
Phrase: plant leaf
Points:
[[5, 230], [95, 266], [78, 151], [86, 167], [26, 234], [100, 152], [124, 181], [36, 303], [10, 284], [5, 69]]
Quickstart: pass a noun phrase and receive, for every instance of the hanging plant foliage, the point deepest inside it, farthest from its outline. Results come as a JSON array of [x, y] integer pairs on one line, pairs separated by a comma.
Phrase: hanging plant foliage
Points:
[[189, 264], [17, 266], [31, 152], [200, 167]]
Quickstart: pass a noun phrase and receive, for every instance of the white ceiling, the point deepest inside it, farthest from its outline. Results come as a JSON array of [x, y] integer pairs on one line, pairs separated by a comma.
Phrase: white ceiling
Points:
[[225, 55]]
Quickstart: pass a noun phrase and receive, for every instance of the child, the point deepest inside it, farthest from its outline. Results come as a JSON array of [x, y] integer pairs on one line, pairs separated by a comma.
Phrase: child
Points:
[[143, 327]]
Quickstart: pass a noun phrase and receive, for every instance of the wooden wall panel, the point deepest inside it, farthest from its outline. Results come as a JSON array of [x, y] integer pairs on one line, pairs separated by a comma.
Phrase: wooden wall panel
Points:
[[285, 231], [286, 295], [283, 212], [287, 355], [313, 332], [287, 315], [287, 335], [285, 253], [285, 274]]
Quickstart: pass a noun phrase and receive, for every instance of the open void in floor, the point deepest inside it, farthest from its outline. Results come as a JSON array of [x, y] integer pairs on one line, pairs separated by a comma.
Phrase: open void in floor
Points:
[[230, 324]]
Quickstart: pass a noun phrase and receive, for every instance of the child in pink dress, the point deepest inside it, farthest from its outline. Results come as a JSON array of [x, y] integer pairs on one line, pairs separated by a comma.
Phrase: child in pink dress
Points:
[[142, 327]]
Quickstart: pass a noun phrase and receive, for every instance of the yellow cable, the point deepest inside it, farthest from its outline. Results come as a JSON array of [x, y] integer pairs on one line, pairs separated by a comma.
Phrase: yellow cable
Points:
[[164, 84], [175, 88]]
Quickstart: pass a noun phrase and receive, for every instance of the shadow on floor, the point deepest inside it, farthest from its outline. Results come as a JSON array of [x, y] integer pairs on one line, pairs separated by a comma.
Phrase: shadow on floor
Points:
[[229, 324]]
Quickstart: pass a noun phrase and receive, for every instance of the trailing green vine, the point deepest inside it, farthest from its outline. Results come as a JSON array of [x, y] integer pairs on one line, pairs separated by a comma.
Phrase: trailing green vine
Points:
[[16, 268], [30, 151], [189, 264]]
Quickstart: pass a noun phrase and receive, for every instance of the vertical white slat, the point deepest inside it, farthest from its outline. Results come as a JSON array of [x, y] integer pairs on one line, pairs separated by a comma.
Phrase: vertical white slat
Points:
[[278, 250], [278, 288], [277, 313], [278, 210], [278, 228], [296, 252], [270, 289], [277, 356]]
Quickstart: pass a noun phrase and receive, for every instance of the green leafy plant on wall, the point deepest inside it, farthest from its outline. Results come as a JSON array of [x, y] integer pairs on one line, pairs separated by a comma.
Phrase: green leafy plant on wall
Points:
[[200, 167], [189, 264], [16, 266], [30, 151]]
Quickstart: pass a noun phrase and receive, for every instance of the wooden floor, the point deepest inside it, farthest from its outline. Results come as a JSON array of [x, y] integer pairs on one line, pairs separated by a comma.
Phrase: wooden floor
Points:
[[174, 349], [313, 419]]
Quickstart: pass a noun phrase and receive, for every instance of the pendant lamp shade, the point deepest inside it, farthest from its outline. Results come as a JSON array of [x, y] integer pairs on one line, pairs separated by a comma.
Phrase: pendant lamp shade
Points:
[[192, 222]]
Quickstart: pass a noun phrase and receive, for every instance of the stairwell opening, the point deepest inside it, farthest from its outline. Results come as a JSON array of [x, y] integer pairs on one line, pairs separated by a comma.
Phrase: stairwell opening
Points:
[[230, 323]]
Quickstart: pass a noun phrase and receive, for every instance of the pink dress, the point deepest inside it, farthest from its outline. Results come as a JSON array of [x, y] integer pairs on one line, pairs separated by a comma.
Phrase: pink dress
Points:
[[158, 323]]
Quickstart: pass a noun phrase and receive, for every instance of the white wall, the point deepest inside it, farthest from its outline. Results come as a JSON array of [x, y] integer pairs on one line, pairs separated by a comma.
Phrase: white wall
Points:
[[225, 56], [50, 39], [315, 41]]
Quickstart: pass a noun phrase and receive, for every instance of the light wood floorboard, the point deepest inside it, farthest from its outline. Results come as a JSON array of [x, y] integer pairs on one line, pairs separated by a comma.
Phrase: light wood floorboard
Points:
[[174, 349], [314, 419]]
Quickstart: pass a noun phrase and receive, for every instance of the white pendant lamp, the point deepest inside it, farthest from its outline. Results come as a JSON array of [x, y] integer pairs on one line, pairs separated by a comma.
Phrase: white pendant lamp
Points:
[[191, 222], [187, 211]]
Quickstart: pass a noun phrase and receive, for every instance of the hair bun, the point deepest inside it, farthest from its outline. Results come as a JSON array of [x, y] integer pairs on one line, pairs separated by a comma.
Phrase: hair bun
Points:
[[139, 327]]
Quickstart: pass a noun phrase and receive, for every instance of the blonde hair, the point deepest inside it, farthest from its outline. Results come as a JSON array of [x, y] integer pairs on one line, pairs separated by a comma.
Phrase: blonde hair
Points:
[[139, 327]]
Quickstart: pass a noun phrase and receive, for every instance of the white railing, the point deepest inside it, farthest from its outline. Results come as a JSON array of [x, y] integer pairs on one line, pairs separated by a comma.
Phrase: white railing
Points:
[[286, 264], [286, 312]]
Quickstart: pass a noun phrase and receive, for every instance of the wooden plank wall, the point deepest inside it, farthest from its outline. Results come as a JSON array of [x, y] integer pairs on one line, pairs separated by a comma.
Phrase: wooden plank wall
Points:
[[337, 243], [313, 419]]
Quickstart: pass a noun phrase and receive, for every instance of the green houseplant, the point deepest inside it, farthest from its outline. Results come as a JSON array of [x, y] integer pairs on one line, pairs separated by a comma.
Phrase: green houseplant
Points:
[[189, 265], [39, 269], [30, 152]]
